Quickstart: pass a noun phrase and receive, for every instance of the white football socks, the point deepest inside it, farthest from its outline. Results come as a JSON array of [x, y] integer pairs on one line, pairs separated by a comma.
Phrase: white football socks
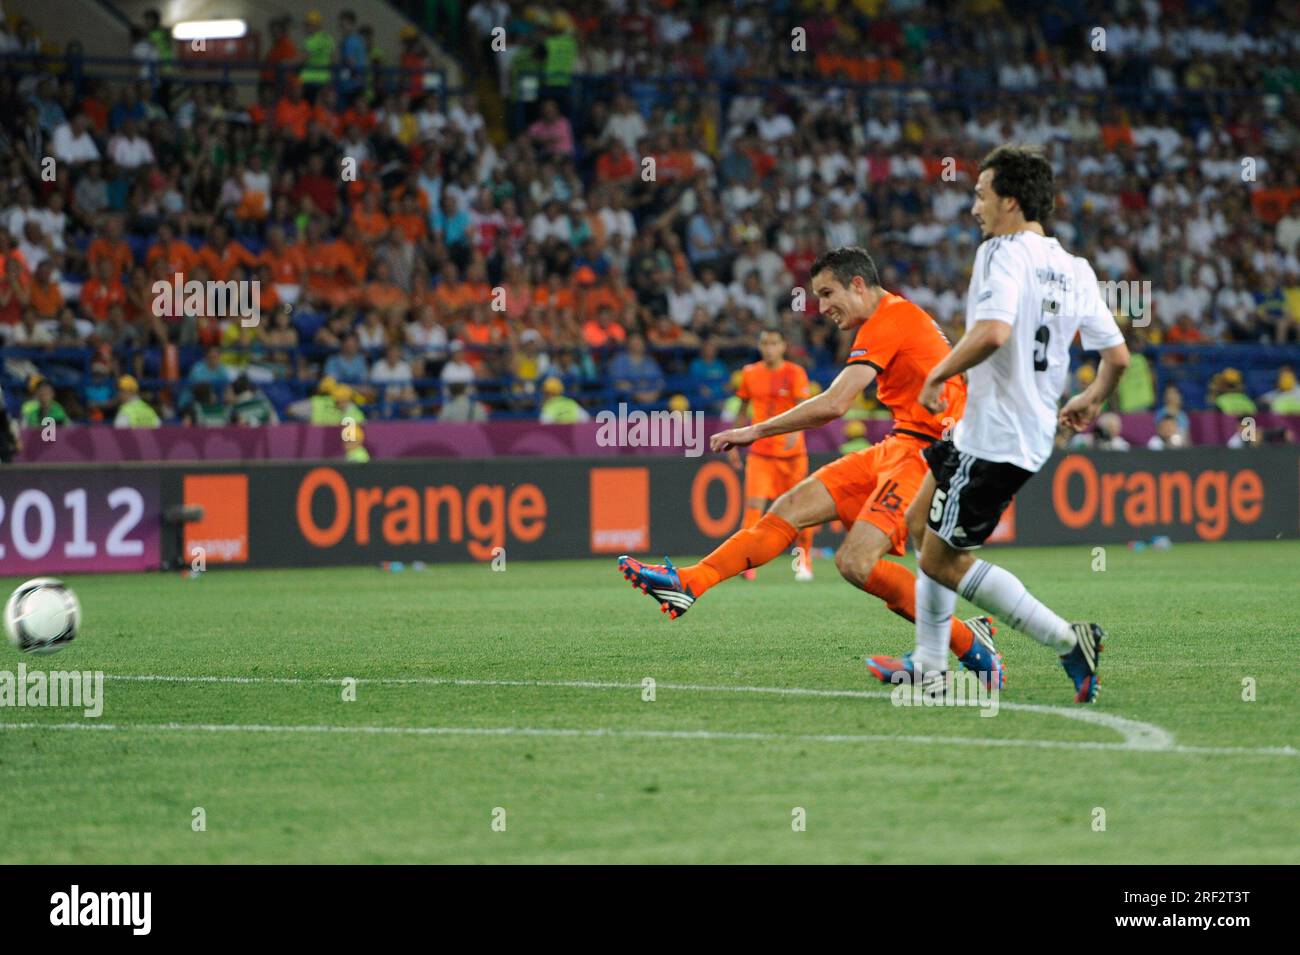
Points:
[[1001, 593], [934, 606]]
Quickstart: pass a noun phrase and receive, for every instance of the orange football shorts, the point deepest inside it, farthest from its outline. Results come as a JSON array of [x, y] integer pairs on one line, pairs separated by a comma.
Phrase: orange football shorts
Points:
[[877, 484], [768, 478]]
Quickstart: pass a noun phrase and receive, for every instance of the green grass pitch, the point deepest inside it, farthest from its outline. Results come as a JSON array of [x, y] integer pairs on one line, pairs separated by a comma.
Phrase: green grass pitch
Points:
[[286, 770]]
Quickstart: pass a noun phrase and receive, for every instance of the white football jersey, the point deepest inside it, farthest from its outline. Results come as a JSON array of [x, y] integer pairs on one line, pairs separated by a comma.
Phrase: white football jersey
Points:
[[1045, 295]]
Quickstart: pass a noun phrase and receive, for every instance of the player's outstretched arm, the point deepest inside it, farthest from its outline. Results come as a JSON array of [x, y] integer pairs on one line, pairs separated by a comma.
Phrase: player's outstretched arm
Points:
[[1081, 410], [813, 413], [981, 340], [733, 454]]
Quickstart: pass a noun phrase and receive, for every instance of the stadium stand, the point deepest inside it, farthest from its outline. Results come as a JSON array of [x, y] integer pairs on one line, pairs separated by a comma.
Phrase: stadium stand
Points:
[[622, 195]]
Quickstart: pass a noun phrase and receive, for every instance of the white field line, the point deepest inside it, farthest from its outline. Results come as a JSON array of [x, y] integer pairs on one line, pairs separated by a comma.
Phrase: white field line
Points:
[[1136, 734], [529, 731]]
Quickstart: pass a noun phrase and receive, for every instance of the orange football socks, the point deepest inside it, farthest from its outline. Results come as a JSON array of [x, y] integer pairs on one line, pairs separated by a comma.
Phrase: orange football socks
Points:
[[896, 586], [748, 547]]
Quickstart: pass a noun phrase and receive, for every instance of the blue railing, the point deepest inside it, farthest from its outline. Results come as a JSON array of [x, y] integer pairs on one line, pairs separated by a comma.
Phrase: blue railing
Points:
[[1189, 367], [250, 73]]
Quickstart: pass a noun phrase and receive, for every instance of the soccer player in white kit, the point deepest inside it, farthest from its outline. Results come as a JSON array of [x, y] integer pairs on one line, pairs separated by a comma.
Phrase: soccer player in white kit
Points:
[[1027, 299]]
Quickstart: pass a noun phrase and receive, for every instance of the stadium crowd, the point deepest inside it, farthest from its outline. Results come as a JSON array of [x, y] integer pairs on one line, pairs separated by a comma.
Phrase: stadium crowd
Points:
[[642, 194]]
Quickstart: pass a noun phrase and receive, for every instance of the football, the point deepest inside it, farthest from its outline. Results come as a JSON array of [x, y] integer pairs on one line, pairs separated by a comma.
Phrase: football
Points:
[[42, 616]]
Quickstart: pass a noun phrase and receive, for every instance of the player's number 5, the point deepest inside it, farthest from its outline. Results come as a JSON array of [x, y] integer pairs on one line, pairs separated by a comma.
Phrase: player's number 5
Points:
[[936, 504]]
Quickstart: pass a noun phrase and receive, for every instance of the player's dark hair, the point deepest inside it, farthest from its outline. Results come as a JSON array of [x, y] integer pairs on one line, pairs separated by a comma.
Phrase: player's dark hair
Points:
[[1023, 173], [772, 330], [846, 262]]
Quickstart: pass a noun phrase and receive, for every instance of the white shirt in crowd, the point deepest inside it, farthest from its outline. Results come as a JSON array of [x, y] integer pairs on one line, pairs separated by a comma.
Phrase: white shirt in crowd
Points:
[[130, 152], [395, 375], [467, 122], [712, 297], [426, 338], [628, 128], [681, 305], [70, 148], [775, 127], [457, 372], [542, 228], [618, 222]]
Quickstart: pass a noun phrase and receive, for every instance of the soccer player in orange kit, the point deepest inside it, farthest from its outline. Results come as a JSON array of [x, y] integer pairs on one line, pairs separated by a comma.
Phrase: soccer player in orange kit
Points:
[[771, 387], [895, 344]]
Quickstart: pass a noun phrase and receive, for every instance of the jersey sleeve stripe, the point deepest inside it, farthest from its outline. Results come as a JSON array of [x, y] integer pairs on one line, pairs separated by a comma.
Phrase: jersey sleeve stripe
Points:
[[865, 361], [988, 259]]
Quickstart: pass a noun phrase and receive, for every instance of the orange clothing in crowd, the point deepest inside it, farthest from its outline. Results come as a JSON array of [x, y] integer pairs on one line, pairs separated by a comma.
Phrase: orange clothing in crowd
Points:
[[119, 253], [675, 164], [283, 54], [421, 197], [484, 333], [480, 334], [97, 110], [599, 295], [414, 66], [1116, 134], [46, 298], [384, 295], [362, 119], [1272, 204], [293, 117], [328, 120], [451, 296], [414, 228], [287, 266], [546, 297], [357, 188], [609, 168], [222, 265], [598, 337], [268, 299], [22, 261], [858, 69], [12, 301], [764, 162], [370, 225], [335, 272], [936, 166], [98, 296], [1184, 335], [177, 256], [517, 300]]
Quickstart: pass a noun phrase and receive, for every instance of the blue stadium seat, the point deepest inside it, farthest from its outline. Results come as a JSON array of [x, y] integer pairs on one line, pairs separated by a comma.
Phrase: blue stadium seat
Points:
[[281, 394], [1259, 381], [307, 324]]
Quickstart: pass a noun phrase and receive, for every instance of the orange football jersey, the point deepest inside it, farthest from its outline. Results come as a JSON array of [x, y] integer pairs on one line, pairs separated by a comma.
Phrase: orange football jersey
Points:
[[902, 342], [769, 393]]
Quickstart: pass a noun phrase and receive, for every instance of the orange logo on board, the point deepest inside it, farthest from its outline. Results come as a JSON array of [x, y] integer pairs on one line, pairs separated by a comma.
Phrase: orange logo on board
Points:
[[223, 532], [620, 510]]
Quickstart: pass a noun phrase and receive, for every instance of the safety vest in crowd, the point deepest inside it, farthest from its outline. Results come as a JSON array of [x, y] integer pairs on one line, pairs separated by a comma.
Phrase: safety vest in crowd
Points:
[[319, 58], [136, 413]]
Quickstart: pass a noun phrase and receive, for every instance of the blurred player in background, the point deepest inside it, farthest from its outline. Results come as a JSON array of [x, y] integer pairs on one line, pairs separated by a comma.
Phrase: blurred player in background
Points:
[[895, 344], [768, 388]]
